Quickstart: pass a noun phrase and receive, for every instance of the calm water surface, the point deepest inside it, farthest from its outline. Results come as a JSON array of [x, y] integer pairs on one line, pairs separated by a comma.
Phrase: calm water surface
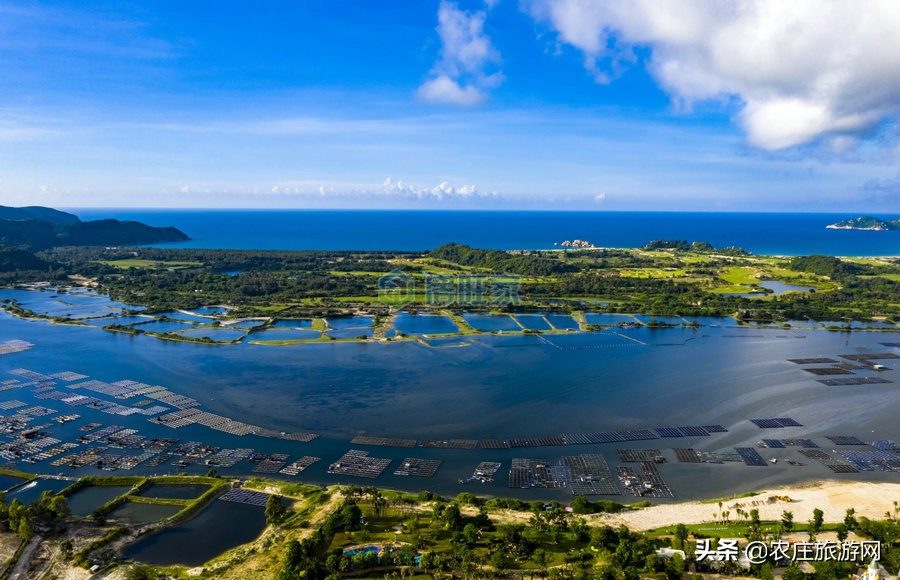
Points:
[[494, 386]]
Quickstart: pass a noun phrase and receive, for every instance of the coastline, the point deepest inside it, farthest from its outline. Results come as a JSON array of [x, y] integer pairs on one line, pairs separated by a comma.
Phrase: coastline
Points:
[[832, 496]]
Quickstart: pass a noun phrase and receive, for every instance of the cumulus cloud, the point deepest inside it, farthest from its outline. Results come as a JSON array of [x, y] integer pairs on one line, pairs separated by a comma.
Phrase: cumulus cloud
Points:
[[460, 77], [447, 91], [802, 69], [441, 191]]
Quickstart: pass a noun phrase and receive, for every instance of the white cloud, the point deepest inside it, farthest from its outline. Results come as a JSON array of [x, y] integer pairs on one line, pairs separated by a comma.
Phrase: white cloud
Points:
[[802, 69], [447, 91], [460, 76], [441, 191]]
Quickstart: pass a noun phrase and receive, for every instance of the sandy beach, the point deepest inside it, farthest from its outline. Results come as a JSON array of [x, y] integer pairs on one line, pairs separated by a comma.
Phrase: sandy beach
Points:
[[871, 500]]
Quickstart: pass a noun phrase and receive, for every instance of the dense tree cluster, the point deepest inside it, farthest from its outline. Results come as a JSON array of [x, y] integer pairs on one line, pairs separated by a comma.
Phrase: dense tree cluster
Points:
[[498, 261]]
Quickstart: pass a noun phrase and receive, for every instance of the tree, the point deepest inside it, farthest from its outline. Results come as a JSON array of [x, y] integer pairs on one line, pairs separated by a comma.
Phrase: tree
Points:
[[275, 510], [65, 549], [140, 572], [675, 568], [754, 530], [379, 504], [681, 535], [25, 530], [452, 517], [850, 519], [580, 505], [466, 498], [59, 505], [470, 534], [842, 532], [818, 520], [787, 521]]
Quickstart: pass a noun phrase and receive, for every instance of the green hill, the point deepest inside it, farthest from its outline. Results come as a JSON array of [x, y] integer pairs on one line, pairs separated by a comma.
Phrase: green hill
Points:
[[39, 213], [37, 228], [13, 260]]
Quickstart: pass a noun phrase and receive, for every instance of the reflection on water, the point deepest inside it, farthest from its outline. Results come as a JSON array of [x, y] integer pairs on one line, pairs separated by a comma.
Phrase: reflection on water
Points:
[[423, 324], [142, 513], [497, 386], [32, 491], [174, 491], [488, 323], [216, 528], [84, 501]]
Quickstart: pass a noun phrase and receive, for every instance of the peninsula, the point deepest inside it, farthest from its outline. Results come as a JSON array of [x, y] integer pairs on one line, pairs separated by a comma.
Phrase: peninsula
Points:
[[40, 228]]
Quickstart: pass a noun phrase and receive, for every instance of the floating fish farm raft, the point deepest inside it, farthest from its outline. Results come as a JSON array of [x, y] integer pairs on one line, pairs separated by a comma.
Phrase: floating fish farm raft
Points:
[[418, 467], [583, 474], [590, 475], [527, 473], [24, 438], [751, 456], [845, 440], [383, 441], [822, 371], [636, 455], [854, 381], [245, 496], [804, 443], [776, 423], [835, 464], [448, 443], [269, 462], [603, 437], [14, 346], [359, 464], [484, 472], [158, 404], [877, 460], [860, 362], [649, 483], [295, 467], [686, 455]]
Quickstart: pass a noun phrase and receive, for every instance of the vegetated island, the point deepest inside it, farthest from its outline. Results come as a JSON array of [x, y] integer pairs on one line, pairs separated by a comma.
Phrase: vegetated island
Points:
[[866, 223], [41, 228]]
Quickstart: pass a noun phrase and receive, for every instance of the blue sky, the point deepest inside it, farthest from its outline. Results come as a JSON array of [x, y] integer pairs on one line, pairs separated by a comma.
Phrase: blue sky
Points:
[[533, 104]]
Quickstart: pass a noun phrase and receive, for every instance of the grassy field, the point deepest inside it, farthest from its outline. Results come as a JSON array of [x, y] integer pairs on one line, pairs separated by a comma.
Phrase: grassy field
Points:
[[150, 264], [740, 275]]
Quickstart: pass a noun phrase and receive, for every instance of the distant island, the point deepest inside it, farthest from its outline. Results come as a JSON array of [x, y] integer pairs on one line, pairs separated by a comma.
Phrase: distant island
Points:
[[866, 223], [39, 228]]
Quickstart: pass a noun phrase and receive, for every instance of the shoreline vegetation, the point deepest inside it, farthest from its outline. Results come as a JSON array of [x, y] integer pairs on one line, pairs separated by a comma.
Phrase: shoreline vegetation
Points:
[[662, 281], [350, 531]]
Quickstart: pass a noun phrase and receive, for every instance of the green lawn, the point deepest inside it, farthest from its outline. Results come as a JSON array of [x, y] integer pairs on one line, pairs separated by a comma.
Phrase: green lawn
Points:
[[739, 275], [149, 264], [653, 273]]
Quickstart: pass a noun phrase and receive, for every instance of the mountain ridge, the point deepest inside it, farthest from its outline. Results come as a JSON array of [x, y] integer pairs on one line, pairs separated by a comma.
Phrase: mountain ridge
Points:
[[39, 228]]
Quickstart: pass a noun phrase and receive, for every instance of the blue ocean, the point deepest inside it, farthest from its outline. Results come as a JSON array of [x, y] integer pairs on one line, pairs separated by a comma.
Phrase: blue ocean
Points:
[[760, 233]]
